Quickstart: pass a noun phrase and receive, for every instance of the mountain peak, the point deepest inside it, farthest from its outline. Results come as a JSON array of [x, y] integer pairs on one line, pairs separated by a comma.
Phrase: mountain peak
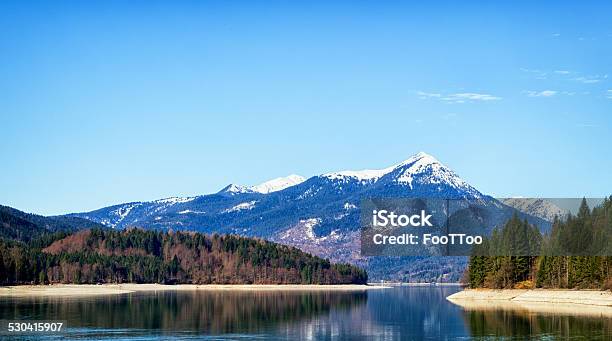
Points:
[[420, 157], [269, 186], [426, 169], [278, 184], [419, 160], [232, 188], [419, 169]]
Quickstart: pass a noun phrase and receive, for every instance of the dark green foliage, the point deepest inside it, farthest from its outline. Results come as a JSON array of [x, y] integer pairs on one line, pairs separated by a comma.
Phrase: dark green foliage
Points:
[[21, 226], [506, 257], [139, 256], [566, 257]]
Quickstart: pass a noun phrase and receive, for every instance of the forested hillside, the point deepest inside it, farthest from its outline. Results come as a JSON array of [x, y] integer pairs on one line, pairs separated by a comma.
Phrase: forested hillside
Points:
[[575, 254], [21, 226], [139, 256]]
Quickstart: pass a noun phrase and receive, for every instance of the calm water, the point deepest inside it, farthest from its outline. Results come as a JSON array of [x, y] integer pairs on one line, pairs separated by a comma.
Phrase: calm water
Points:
[[403, 313]]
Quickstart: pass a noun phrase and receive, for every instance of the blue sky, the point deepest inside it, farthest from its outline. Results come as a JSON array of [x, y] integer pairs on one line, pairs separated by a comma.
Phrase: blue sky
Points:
[[112, 102]]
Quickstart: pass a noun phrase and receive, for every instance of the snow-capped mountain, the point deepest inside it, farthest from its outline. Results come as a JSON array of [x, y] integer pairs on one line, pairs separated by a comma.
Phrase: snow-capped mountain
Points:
[[319, 215], [403, 171], [270, 186], [278, 184], [421, 171]]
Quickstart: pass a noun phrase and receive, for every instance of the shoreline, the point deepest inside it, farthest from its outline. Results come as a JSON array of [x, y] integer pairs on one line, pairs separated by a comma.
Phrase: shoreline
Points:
[[553, 301], [82, 290], [417, 284]]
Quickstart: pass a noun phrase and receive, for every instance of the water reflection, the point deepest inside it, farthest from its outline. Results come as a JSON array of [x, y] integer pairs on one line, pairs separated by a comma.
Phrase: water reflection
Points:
[[403, 313], [415, 313], [526, 323], [217, 312]]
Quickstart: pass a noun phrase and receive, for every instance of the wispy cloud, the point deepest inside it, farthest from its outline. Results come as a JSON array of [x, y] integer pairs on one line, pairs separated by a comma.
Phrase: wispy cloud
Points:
[[470, 96], [591, 79], [550, 93], [566, 74], [609, 94], [544, 93], [538, 74], [425, 95], [461, 97]]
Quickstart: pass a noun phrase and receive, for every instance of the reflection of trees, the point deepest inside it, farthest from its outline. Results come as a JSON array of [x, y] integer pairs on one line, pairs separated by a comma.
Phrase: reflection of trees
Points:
[[508, 323], [211, 312], [416, 313]]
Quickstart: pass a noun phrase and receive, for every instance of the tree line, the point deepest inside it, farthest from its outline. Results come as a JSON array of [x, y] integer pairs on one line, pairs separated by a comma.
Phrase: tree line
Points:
[[147, 256], [575, 253]]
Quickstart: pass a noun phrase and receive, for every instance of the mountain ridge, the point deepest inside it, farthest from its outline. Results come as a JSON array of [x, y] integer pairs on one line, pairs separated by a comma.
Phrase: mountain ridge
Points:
[[318, 215], [22, 226]]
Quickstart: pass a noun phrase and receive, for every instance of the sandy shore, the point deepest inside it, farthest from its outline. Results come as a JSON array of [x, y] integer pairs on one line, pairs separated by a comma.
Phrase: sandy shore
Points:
[[110, 289], [587, 297], [575, 302]]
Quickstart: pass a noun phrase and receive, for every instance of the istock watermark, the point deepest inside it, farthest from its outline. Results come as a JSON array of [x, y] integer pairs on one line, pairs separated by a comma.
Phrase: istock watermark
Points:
[[484, 225]]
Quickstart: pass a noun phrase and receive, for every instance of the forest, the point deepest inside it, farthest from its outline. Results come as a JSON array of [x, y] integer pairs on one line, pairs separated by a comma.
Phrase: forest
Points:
[[574, 254], [145, 256]]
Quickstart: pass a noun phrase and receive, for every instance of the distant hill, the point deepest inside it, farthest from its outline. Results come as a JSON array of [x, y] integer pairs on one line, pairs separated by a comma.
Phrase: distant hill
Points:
[[139, 256], [21, 226], [537, 207]]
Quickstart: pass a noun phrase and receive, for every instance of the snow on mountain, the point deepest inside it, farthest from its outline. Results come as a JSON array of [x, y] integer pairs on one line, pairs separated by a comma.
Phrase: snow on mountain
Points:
[[372, 175], [309, 224], [420, 175], [269, 186], [425, 169], [348, 206], [319, 215], [278, 184], [421, 168], [336, 244], [174, 200], [191, 212], [303, 231], [162, 205], [235, 189], [242, 206], [366, 175], [119, 214]]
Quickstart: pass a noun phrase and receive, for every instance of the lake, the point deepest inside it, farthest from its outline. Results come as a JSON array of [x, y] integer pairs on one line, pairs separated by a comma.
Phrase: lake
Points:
[[406, 313]]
